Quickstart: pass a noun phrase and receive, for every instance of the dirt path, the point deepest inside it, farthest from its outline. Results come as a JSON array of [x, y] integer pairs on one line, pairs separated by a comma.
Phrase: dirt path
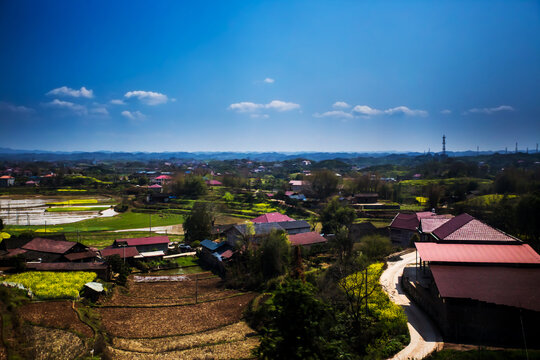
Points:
[[425, 337], [169, 229]]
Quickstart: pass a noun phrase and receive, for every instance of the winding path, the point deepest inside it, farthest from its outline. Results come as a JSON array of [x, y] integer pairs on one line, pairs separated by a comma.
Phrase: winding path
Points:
[[425, 338]]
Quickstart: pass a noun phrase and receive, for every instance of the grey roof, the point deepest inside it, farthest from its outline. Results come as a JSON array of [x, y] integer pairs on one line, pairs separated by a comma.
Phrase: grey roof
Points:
[[260, 228], [299, 224], [98, 287]]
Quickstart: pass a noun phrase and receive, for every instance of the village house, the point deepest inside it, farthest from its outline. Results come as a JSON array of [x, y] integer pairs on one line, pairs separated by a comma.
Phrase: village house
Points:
[[297, 185], [7, 181], [307, 239], [404, 226], [153, 246], [479, 284], [272, 217], [49, 250]]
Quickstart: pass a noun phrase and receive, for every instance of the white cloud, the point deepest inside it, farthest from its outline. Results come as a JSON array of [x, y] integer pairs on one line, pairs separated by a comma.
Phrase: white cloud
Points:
[[100, 111], [369, 111], [489, 111], [67, 91], [335, 114], [446, 112], [117, 102], [281, 105], [245, 106], [133, 115], [269, 81], [341, 105], [5, 106], [60, 104], [278, 105], [366, 110], [147, 97]]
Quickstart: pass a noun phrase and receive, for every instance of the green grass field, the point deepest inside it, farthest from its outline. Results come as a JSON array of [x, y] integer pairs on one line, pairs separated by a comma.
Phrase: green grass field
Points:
[[127, 220]]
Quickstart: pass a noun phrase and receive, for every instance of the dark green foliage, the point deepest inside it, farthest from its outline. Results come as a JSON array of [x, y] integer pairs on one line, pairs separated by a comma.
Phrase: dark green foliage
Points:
[[528, 216], [375, 247], [335, 215], [198, 224], [253, 265], [119, 266], [188, 185], [324, 183], [296, 325]]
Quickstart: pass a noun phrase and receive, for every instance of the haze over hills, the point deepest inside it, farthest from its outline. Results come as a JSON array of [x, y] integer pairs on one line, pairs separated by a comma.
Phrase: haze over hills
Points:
[[43, 155]]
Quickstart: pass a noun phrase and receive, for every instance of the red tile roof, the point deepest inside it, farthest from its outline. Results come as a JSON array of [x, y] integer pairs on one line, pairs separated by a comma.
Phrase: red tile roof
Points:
[[144, 240], [214, 182], [6, 177], [466, 228], [308, 238], [452, 225], [155, 186], [271, 217], [405, 222], [516, 287], [429, 224], [129, 252], [163, 177], [227, 254], [477, 253], [49, 245], [81, 255]]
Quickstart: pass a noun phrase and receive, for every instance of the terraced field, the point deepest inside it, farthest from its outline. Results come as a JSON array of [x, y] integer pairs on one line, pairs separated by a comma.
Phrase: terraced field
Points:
[[180, 317]]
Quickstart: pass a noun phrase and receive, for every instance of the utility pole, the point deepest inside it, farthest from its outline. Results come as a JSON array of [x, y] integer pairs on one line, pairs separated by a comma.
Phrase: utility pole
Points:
[[477, 150], [150, 221], [444, 145], [516, 147]]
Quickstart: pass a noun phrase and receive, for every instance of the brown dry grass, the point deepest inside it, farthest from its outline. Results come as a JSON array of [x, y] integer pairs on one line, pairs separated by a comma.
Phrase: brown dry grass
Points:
[[178, 320], [52, 344], [58, 314], [230, 350], [234, 332]]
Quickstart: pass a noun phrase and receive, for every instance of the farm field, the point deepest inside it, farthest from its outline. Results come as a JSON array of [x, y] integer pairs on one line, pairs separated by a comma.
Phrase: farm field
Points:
[[160, 320], [53, 285]]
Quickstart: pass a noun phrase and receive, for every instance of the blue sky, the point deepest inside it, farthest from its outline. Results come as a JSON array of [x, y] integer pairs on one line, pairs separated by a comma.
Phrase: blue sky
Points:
[[269, 75]]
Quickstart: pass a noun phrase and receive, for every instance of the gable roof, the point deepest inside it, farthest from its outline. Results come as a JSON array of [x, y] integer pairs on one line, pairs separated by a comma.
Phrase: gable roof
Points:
[[307, 238], [477, 253], [49, 245], [428, 225], [151, 240], [163, 177], [405, 222], [517, 287], [272, 217], [297, 224], [211, 245], [466, 228]]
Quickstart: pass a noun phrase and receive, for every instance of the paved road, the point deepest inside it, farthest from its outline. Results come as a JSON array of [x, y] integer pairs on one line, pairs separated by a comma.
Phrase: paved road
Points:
[[425, 337]]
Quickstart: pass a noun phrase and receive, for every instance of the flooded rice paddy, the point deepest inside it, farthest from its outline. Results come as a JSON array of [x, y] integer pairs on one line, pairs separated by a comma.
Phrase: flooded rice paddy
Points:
[[31, 210]]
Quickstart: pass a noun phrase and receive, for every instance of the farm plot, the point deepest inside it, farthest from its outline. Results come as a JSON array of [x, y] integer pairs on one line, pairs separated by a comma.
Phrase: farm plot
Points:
[[148, 293], [54, 314], [52, 344], [53, 285], [160, 320], [138, 322]]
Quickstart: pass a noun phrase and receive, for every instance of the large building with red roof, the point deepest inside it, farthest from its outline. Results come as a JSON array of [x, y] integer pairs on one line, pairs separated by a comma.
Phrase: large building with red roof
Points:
[[272, 217], [478, 283]]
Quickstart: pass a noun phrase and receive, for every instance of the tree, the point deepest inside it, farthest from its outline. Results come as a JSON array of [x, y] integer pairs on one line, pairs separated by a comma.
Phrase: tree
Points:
[[324, 183], [376, 247], [198, 224], [335, 215], [527, 215], [296, 325], [275, 254], [188, 185], [342, 244]]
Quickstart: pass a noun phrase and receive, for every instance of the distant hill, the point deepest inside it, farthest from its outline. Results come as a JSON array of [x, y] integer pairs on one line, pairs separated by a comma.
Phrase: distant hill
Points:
[[40, 155]]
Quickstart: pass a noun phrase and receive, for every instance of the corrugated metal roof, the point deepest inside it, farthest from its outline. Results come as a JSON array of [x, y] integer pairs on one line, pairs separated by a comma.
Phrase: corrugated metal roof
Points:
[[49, 245], [145, 240], [516, 287], [81, 255], [477, 253], [307, 238], [127, 252]]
